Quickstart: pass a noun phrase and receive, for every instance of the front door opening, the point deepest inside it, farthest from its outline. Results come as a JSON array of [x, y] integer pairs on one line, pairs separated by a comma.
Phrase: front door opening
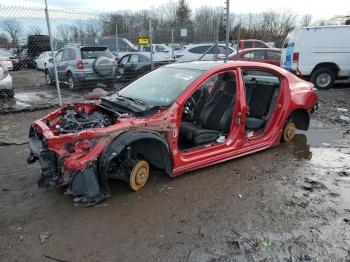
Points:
[[208, 112]]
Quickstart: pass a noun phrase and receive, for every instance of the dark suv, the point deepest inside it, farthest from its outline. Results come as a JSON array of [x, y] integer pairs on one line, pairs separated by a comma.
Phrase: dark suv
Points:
[[83, 65]]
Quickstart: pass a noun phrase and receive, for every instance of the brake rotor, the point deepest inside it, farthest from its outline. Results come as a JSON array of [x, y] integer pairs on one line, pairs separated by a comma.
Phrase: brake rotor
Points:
[[289, 132], [139, 175]]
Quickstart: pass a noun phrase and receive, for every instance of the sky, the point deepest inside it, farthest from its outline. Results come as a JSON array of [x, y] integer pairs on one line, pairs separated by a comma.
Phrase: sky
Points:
[[318, 8]]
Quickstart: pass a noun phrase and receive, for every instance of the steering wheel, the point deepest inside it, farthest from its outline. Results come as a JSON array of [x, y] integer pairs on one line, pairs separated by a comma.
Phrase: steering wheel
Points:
[[190, 107]]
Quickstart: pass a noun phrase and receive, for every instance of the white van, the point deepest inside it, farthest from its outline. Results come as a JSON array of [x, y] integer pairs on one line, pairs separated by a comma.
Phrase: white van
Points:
[[320, 54]]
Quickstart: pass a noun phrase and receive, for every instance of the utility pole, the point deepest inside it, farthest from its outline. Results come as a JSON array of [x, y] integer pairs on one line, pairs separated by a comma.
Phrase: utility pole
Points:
[[227, 9]]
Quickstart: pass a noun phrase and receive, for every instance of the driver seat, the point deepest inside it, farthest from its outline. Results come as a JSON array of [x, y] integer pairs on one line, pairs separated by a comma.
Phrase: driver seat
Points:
[[215, 117]]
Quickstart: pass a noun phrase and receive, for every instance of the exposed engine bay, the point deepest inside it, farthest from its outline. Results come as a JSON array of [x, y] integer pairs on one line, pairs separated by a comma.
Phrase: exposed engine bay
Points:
[[78, 120]]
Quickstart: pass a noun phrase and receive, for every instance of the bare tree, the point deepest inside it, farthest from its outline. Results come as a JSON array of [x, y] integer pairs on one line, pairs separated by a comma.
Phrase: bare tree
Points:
[[35, 30], [4, 42], [63, 32], [306, 20], [13, 28]]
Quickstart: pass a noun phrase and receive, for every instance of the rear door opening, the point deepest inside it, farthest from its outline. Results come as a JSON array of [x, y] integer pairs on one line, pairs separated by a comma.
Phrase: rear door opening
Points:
[[262, 90]]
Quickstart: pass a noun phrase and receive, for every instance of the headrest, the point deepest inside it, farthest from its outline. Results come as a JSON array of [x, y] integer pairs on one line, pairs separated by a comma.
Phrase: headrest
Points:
[[230, 86], [228, 76]]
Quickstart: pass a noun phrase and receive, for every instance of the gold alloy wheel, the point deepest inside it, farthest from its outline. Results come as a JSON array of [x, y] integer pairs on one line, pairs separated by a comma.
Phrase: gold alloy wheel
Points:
[[289, 132], [139, 175]]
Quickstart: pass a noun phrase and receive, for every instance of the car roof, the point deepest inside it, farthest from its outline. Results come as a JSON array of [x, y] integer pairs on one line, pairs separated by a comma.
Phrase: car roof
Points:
[[207, 65], [260, 48]]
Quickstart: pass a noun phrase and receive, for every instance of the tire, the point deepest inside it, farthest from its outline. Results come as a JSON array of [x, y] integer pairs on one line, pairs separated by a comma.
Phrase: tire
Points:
[[36, 66], [7, 93], [48, 79], [72, 83], [323, 78], [139, 175], [288, 132]]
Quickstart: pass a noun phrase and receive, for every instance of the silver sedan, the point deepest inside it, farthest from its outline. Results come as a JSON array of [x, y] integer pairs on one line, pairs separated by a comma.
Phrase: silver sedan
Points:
[[6, 89]]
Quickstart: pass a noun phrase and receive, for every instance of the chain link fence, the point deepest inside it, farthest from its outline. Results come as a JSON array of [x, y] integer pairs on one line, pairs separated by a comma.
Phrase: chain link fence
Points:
[[91, 50]]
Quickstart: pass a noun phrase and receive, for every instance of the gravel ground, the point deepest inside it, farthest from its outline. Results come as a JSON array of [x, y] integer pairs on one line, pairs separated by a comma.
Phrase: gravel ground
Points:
[[288, 203]]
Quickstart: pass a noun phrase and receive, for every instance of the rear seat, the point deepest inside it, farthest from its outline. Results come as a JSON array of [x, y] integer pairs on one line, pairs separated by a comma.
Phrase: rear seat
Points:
[[258, 97]]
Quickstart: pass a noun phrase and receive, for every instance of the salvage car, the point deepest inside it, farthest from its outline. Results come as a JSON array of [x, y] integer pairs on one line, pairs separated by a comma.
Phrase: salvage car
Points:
[[177, 118]]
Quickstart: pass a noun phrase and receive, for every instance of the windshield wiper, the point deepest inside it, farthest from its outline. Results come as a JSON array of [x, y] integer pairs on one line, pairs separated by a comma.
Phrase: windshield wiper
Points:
[[135, 100]]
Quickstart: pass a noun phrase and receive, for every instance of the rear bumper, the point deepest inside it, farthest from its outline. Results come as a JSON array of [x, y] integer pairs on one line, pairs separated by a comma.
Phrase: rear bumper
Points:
[[91, 76]]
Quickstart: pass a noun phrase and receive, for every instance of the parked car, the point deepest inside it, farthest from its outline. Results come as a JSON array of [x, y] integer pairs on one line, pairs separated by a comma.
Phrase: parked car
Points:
[[263, 55], [6, 62], [82, 65], [177, 118], [43, 59], [163, 52], [319, 53], [11, 57], [251, 43], [6, 89], [30, 47], [177, 47], [131, 66], [203, 52]]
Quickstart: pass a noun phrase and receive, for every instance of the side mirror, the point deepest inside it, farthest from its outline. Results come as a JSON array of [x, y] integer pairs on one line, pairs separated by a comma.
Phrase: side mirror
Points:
[[51, 60]]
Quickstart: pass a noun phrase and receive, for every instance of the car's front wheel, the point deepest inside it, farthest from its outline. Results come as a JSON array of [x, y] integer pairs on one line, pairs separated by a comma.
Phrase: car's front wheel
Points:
[[139, 175], [48, 79], [71, 82], [7, 93], [323, 78]]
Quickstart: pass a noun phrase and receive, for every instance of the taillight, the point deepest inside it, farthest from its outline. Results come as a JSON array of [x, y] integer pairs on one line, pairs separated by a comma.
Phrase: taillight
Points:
[[4, 72], [80, 64], [295, 57]]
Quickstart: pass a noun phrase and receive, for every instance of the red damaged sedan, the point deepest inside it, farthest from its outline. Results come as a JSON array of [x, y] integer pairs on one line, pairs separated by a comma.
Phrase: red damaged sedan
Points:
[[177, 118]]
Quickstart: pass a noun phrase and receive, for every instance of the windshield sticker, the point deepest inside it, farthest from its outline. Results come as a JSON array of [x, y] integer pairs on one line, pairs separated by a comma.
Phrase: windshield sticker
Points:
[[183, 76]]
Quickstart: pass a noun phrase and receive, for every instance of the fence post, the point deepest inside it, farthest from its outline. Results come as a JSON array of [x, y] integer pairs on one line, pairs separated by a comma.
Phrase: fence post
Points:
[[216, 38], [227, 29], [172, 43], [116, 40], [150, 43], [238, 39], [53, 53]]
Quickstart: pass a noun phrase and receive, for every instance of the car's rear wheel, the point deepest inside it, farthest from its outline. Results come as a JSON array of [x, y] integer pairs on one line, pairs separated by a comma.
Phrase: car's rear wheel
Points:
[[288, 132], [139, 175], [323, 78]]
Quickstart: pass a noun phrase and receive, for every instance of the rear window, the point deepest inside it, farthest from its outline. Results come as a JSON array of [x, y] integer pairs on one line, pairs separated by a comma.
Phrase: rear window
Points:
[[260, 45], [199, 49], [290, 39], [248, 44], [95, 52]]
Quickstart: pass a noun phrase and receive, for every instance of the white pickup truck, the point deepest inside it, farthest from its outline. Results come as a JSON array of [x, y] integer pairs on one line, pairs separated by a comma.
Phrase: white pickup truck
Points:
[[319, 53]]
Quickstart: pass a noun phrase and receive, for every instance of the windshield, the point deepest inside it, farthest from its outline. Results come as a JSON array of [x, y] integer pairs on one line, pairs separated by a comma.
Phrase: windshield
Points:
[[161, 86], [289, 41]]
